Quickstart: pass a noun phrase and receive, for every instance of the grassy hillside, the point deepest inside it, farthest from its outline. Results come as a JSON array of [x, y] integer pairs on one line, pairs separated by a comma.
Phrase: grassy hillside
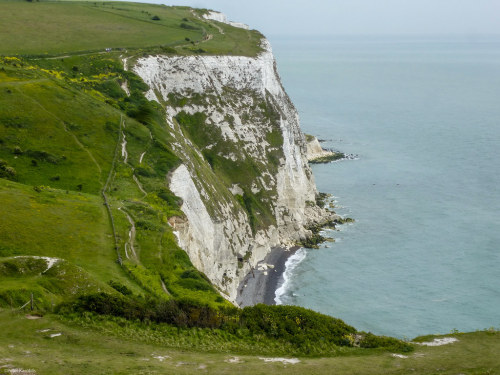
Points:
[[85, 209], [63, 125], [56, 28], [108, 348]]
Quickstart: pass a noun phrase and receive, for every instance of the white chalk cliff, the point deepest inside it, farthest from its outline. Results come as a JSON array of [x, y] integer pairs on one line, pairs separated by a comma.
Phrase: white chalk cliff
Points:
[[243, 100], [315, 151], [221, 17]]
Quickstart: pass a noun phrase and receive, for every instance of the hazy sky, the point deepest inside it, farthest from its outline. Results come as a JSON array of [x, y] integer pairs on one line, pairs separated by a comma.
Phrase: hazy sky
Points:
[[290, 17]]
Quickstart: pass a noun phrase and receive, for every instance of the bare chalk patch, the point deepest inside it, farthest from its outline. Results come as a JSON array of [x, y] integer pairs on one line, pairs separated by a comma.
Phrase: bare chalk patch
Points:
[[33, 317], [234, 360], [55, 335], [124, 148], [124, 86], [161, 358], [285, 361], [399, 356], [438, 342], [21, 371], [50, 261]]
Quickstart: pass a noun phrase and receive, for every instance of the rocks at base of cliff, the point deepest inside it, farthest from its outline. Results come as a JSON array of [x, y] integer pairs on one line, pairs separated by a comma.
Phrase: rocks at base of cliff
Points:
[[317, 154]]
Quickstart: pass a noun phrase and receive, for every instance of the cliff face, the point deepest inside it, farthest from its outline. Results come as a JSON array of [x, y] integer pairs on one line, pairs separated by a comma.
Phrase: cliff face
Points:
[[245, 181]]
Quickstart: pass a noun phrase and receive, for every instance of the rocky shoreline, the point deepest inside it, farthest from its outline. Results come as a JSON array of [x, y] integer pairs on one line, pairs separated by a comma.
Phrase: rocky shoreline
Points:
[[260, 285]]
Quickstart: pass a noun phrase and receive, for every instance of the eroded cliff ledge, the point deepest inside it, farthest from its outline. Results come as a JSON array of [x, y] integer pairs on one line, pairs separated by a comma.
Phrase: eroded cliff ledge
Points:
[[244, 180]]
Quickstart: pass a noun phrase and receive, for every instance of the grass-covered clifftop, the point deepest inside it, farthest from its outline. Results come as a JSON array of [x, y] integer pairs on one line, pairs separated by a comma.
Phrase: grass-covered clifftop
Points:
[[53, 28], [84, 156], [72, 139], [68, 133], [85, 207], [85, 345]]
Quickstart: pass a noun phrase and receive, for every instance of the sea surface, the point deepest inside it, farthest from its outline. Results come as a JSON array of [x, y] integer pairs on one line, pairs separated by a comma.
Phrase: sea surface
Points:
[[423, 117]]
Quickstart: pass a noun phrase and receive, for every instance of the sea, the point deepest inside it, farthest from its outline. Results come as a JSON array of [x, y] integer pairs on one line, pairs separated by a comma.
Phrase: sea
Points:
[[421, 118]]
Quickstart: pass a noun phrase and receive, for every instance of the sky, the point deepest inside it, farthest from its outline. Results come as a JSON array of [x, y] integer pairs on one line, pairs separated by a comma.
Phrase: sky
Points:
[[358, 17]]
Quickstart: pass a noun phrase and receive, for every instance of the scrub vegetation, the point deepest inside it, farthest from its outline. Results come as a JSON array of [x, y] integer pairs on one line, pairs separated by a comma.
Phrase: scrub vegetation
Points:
[[83, 164], [88, 344], [85, 208]]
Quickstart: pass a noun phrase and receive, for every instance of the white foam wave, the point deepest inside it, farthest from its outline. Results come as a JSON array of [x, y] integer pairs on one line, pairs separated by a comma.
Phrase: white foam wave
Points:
[[290, 265]]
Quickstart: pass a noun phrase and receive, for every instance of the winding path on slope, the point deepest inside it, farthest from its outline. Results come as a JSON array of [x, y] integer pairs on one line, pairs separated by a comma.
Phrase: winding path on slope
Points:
[[131, 235]]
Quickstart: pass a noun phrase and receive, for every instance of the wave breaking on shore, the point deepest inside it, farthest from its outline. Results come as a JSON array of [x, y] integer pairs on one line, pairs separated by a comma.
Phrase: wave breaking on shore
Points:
[[291, 263]]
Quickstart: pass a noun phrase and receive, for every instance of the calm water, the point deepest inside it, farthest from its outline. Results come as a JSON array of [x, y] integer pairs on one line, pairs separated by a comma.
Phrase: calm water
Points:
[[424, 117]]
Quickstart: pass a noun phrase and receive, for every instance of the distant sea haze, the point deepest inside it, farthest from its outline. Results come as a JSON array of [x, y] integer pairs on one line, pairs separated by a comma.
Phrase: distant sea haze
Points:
[[423, 115]]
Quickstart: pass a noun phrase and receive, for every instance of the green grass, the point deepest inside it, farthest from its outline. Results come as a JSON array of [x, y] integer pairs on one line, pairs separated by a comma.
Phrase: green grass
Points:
[[49, 129], [68, 27], [107, 348], [59, 129], [25, 275], [55, 223]]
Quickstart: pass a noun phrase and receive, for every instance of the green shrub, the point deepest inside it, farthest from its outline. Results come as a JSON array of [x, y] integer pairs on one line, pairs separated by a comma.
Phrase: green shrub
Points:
[[295, 324], [169, 50], [43, 156], [145, 171], [7, 171], [372, 341], [304, 330], [194, 284], [169, 197], [120, 288], [111, 88], [146, 225]]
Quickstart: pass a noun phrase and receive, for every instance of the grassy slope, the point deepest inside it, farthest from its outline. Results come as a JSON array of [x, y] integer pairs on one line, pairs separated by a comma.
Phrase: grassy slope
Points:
[[77, 351], [59, 129], [52, 223], [57, 28]]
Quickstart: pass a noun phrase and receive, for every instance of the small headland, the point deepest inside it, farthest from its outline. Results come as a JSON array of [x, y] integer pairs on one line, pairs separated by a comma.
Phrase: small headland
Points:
[[316, 154]]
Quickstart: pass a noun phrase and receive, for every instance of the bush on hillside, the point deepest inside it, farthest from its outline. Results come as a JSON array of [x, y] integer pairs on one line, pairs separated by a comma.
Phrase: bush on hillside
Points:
[[120, 288], [300, 327], [373, 341], [7, 171], [295, 324]]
